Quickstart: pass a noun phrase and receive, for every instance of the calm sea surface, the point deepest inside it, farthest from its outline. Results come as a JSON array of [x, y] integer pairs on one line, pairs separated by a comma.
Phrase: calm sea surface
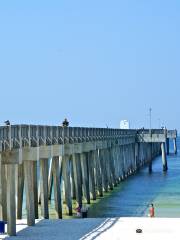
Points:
[[132, 197]]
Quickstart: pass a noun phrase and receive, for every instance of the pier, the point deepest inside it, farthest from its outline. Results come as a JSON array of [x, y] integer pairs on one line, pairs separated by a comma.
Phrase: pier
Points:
[[83, 163]]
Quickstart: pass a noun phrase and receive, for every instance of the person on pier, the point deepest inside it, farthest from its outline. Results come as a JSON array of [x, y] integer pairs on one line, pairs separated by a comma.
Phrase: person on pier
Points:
[[7, 123], [65, 123]]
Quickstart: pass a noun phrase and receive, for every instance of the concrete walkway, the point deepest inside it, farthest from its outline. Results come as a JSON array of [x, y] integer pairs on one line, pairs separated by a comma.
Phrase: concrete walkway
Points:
[[100, 229]]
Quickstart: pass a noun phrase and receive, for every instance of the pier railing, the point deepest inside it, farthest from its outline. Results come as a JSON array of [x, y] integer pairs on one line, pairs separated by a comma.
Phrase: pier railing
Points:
[[18, 136]]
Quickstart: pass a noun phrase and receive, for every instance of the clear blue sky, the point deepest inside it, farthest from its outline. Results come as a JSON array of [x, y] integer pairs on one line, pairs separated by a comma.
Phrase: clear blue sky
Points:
[[95, 62]]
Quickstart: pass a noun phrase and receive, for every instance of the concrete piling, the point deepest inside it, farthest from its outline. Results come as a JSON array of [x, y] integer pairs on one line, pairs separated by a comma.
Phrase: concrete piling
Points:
[[116, 165], [98, 173], [112, 167], [67, 182], [77, 177], [175, 145], [150, 157], [85, 176], [57, 187], [20, 189], [50, 180], [35, 186], [108, 169], [1, 193], [73, 185], [103, 169], [136, 156], [4, 191], [91, 174], [11, 201], [43, 165], [167, 145], [164, 159], [121, 163], [29, 187]]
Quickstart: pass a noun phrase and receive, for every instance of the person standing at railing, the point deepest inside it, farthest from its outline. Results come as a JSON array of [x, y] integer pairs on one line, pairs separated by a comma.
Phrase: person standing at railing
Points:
[[65, 123], [7, 123]]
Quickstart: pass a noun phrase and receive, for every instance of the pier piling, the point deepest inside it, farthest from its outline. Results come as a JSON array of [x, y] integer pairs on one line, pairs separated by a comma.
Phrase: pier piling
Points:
[[85, 176], [4, 192], [77, 177], [164, 159], [175, 145], [29, 187], [167, 146], [67, 182], [20, 189], [43, 165], [57, 187], [11, 201]]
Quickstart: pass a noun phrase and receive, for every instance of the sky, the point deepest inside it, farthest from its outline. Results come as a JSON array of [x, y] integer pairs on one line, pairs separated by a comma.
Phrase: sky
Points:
[[95, 62]]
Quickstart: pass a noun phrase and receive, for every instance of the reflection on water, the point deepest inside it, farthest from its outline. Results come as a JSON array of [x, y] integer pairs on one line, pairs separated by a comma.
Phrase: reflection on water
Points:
[[132, 197]]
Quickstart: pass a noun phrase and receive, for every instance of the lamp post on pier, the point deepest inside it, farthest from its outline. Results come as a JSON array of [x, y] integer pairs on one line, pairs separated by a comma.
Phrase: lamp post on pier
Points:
[[150, 118]]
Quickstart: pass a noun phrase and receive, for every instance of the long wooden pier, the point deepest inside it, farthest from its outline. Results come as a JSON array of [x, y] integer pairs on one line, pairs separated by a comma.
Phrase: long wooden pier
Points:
[[89, 162]]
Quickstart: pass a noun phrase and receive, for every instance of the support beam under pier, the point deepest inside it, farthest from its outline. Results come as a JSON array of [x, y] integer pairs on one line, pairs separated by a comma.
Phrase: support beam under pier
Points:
[[20, 189], [29, 187], [98, 173], [91, 174], [57, 187], [150, 156], [103, 169], [164, 159], [11, 201], [3, 192], [35, 186], [175, 145], [67, 183], [43, 164], [77, 177], [136, 156], [85, 176], [50, 180], [167, 145]]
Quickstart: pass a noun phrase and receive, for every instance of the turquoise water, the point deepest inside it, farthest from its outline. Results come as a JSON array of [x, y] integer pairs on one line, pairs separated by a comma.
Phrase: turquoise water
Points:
[[132, 197]]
